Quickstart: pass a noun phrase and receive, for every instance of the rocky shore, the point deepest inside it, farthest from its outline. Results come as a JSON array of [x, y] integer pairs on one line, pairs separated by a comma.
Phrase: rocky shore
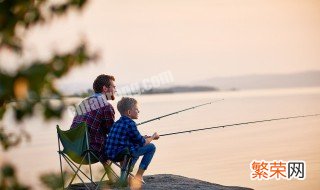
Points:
[[169, 181]]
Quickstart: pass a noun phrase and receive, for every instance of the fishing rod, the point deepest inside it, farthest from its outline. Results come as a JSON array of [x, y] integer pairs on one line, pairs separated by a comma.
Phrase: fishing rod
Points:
[[158, 118], [235, 124]]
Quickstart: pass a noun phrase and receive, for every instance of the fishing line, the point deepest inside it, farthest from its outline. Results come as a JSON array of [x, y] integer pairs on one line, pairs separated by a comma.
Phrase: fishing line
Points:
[[236, 124]]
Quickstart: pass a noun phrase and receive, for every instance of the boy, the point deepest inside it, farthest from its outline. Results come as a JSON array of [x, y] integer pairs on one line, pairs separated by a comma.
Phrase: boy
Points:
[[124, 134]]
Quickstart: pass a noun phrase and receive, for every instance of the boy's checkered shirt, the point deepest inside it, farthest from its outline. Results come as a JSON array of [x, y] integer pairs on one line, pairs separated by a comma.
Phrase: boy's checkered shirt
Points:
[[123, 133]]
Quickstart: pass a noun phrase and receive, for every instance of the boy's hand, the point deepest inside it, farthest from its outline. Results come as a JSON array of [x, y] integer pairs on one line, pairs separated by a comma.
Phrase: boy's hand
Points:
[[155, 136]]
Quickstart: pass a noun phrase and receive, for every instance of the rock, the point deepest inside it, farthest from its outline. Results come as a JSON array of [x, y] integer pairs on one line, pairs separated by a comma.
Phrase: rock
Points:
[[168, 181]]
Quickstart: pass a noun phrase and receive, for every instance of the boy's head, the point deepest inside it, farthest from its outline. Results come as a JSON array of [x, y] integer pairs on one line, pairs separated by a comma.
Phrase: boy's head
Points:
[[128, 107]]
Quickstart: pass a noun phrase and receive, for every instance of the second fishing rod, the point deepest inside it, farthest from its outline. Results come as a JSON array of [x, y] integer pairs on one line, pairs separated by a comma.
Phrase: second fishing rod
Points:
[[176, 112]]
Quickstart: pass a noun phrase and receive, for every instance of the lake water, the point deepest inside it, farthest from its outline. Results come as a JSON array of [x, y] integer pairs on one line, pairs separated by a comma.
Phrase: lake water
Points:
[[220, 156]]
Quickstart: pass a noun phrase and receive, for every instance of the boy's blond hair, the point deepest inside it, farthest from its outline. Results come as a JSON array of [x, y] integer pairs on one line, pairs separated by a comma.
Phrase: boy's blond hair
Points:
[[125, 104]]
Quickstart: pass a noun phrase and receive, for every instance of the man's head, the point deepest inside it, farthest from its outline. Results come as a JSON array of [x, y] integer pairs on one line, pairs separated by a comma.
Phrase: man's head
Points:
[[128, 107], [105, 84]]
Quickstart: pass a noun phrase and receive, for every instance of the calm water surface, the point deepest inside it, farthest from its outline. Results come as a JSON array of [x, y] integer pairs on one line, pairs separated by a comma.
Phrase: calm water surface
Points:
[[222, 155]]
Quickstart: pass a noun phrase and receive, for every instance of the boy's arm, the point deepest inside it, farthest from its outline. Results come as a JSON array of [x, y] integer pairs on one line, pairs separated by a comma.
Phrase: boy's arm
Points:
[[155, 136], [135, 136]]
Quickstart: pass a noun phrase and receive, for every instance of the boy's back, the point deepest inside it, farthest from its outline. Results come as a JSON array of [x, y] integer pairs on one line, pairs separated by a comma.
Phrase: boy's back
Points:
[[123, 134]]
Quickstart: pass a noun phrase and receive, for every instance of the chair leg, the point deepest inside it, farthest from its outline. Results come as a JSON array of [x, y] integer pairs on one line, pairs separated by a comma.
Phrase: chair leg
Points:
[[76, 174], [125, 170], [129, 166], [108, 167], [70, 163], [112, 175], [120, 168], [88, 153], [59, 152], [76, 170], [62, 176]]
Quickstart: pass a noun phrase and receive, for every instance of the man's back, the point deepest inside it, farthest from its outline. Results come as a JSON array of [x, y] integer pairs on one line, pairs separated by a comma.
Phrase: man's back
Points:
[[98, 114]]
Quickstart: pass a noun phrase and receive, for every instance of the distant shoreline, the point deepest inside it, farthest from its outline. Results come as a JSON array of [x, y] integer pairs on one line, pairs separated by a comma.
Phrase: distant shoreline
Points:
[[227, 83], [180, 89], [168, 90]]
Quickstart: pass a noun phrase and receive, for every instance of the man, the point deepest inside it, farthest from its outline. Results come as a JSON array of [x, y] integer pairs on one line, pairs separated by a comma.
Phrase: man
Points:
[[98, 114]]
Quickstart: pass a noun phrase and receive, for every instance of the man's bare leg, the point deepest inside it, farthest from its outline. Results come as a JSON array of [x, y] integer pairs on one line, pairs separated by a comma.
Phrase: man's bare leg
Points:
[[110, 173]]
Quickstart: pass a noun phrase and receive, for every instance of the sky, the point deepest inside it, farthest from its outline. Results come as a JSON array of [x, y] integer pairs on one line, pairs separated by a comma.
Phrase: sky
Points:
[[192, 39]]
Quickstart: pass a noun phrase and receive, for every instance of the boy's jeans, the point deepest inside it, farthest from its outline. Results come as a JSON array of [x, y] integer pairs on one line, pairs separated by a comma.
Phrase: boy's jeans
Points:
[[147, 152]]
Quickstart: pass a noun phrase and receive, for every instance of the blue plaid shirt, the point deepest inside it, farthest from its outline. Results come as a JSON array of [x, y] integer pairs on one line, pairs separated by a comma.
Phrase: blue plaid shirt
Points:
[[123, 133]]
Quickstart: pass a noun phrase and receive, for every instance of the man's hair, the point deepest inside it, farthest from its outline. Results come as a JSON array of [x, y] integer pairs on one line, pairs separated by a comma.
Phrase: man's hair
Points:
[[100, 81], [126, 104]]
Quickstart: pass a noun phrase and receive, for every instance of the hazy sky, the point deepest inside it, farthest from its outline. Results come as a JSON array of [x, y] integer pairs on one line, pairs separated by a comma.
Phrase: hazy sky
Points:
[[194, 39]]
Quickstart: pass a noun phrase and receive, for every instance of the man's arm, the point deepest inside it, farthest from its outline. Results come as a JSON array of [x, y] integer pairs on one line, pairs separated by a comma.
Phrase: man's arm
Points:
[[108, 114]]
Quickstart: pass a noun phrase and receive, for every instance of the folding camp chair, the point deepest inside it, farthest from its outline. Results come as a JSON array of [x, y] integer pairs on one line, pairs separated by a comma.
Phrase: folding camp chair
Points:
[[77, 153]]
